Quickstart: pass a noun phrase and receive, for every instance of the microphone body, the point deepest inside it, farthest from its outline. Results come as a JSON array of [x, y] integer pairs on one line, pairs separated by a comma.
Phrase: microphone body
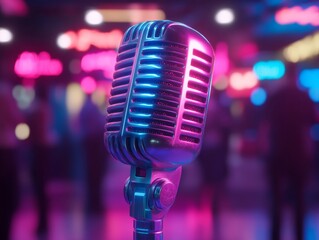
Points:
[[156, 114]]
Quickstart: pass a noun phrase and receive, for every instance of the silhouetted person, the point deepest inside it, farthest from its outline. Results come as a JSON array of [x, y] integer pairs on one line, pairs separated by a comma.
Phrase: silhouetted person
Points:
[[290, 113], [9, 118], [43, 145], [92, 127], [214, 152]]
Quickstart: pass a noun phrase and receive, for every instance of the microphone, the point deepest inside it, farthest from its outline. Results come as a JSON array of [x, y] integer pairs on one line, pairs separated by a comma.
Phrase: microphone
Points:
[[157, 113]]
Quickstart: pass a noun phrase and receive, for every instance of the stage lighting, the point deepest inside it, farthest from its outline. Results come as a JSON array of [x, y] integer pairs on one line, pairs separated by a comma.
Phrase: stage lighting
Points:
[[225, 16], [5, 35], [94, 17]]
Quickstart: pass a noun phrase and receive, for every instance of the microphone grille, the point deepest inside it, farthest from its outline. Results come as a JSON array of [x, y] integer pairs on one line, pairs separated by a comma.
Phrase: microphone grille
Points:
[[196, 97]]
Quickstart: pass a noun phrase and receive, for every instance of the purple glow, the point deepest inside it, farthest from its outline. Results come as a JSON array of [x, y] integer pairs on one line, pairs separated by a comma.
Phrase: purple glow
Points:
[[100, 61], [33, 65]]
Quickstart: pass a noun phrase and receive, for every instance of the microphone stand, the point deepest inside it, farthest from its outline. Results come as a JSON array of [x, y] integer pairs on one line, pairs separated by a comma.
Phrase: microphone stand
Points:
[[150, 193]]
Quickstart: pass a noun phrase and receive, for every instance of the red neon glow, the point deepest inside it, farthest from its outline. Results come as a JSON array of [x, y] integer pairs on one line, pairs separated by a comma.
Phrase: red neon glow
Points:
[[298, 15], [100, 61], [221, 65], [88, 85], [85, 38], [33, 65], [242, 83]]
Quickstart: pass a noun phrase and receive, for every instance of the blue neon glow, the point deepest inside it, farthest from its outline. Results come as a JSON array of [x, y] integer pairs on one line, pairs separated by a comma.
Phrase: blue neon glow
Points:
[[269, 70], [314, 132], [309, 78], [314, 94], [258, 97]]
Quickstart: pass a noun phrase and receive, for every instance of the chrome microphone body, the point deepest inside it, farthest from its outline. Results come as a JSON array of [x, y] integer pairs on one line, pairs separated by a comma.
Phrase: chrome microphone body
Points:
[[156, 114]]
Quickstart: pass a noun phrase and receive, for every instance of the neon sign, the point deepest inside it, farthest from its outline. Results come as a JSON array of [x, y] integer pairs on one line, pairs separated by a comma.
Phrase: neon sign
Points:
[[299, 15], [33, 65], [85, 38], [132, 15], [302, 49], [100, 61], [242, 83], [269, 70]]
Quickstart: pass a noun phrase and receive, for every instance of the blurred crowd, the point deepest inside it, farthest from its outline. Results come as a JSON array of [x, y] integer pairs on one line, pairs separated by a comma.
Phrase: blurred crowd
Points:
[[64, 146]]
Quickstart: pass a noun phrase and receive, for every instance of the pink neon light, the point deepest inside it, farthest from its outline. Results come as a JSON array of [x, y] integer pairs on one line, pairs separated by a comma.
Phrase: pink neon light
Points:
[[85, 38], [247, 50], [221, 65], [100, 61], [242, 83], [88, 85], [298, 15], [32, 65]]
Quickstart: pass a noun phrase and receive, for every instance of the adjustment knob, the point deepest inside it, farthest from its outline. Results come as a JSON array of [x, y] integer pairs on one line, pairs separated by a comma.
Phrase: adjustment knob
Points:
[[164, 193]]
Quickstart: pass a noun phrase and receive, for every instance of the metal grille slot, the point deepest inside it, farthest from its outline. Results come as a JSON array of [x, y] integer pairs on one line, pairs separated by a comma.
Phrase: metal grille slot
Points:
[[191, 128], [157, 29], [188, 138], [194, 107], [120, 86], [196, 96]]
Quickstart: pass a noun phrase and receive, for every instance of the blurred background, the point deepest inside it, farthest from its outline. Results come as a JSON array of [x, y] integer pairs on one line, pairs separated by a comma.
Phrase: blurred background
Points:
[[257, 174]]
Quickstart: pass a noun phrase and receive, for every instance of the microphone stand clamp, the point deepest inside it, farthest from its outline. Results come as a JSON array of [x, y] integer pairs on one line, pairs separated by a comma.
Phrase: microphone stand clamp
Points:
[[150, 194]]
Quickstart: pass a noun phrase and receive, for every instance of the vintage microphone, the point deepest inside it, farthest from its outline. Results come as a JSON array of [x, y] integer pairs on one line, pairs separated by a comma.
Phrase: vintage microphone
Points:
[[156, 114]]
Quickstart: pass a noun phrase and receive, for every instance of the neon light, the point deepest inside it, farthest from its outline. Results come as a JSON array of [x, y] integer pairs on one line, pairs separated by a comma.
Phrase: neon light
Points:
[[85, 38], [88, 85], [33, 65], [5, 35], [22, 131], [269, 70], [258, 97], [225, 16], [314, 94], [100, 61], [132, 15], [303, 49], [309, 78], [93, 17], [221, 65], [242, 83], [239, 81], [298, 15]]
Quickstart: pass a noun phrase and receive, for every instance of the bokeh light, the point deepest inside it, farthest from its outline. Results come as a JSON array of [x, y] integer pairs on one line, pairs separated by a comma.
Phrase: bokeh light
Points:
[[64, 41], [225, 16], [6, 35], [74, 98], [93, 17], [258, 97], [88, 85], [22, 131]]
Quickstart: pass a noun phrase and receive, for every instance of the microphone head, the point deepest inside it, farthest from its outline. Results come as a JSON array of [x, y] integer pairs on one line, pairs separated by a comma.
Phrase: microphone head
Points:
[[160, 92]]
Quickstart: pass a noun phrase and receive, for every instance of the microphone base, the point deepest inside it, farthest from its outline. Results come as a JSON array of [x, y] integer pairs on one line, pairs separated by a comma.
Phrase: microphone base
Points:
[[148, 230]]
